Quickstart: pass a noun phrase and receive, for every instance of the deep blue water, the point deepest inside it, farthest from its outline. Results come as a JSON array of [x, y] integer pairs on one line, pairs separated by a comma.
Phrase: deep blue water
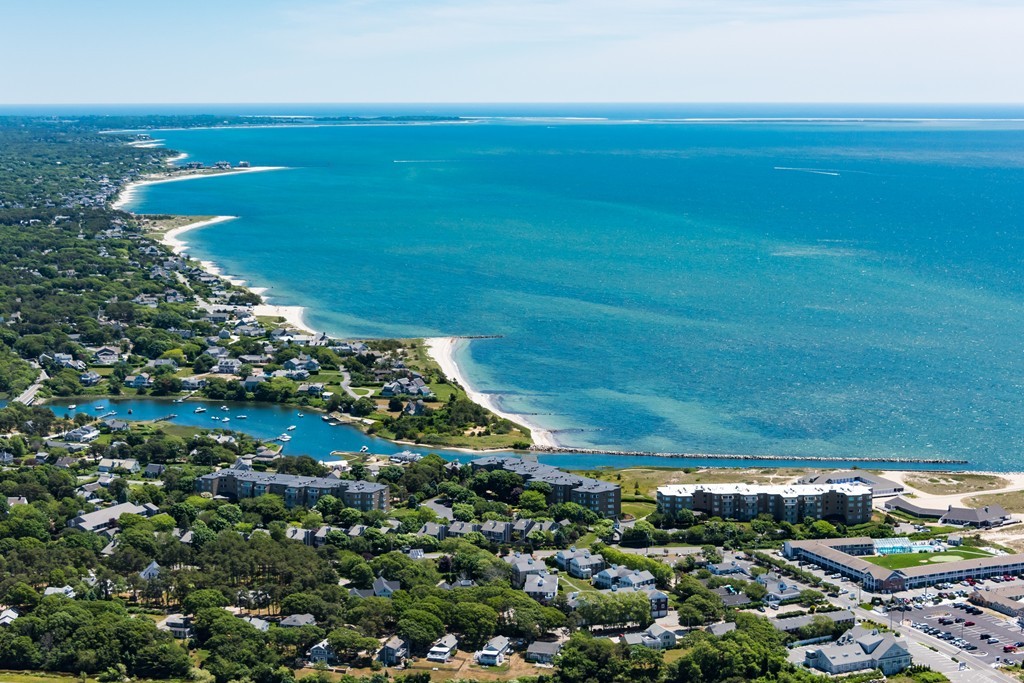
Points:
[[818, 288]]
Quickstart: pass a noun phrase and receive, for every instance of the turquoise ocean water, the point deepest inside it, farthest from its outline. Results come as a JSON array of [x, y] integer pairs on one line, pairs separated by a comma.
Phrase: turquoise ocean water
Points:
[[796, 288]]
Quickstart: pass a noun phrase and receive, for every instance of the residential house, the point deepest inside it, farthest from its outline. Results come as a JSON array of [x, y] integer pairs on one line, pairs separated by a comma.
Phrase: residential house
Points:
[[89, 378], [8, 616], [151, 572], [542, 652], [106, 355], [153, 471], [524, 567], [543, 587], [297, 620], [987, 516], [114, 464], [655, 637], [310, 389], [66, 591], [497, 532], [438, 531], [193, 383], [116, 425], [443, 649], [382, 588], [623, 577], [179, 625], [459, 529], [493, 653], [585, 565], [229, 366], [139, 381], [394, 652], [322, 652], [83, 434]]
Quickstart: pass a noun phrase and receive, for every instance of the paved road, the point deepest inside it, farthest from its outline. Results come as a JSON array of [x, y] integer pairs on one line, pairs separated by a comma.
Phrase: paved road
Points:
[[28, 397], [346, 380], [440, 510]]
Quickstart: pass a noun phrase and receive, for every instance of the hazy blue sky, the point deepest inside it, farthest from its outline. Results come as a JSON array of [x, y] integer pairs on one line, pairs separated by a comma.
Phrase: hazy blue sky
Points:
[[74, 51]]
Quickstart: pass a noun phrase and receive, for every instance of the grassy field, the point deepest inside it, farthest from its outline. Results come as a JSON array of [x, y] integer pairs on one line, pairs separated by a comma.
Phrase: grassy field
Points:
[[7, 676], [1012, 501], [639, 510], [945, 483], [904, 560]]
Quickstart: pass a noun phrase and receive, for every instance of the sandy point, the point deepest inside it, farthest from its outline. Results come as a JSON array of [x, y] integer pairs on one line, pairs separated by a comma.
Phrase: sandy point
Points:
[[172, 238], [129, 192], [443, 351], [294, 316]]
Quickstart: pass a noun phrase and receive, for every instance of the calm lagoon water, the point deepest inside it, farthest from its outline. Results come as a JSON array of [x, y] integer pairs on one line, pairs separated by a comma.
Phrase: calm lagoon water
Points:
[[844, 289]]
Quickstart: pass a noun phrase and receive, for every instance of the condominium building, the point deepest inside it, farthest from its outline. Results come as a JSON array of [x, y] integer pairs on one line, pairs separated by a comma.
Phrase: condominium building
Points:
[[848, 503], [238, 483], [602, 497]]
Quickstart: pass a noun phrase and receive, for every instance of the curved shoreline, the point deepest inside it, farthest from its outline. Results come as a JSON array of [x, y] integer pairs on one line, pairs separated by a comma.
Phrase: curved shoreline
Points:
[[443, 350], [128, 192]]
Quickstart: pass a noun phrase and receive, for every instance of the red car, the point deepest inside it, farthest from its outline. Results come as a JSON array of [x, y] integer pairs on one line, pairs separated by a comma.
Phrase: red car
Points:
[[968, 623]]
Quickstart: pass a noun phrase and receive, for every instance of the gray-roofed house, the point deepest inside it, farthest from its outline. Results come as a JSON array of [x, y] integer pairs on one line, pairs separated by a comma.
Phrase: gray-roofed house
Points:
[[493, 653], [321, 652], [543, 588], [655, 637], [394, 652], [722, 628], [443, 649], [584, 566], [106, 518], [860, 649], [542, 652], [297, 620]]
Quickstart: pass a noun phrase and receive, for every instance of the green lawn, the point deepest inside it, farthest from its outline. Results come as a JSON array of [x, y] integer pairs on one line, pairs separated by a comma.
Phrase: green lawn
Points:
[[639, 510], [904, 560]]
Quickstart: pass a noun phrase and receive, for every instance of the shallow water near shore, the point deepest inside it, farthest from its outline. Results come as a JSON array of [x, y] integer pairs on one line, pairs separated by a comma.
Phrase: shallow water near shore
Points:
[[806, 289]]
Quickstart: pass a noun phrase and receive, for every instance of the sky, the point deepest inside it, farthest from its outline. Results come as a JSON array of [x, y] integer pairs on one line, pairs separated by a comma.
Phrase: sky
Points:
[[220, 51]]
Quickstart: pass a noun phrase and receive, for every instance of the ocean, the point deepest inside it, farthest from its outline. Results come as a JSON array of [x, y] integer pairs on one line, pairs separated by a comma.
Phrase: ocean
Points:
[[661, 280]]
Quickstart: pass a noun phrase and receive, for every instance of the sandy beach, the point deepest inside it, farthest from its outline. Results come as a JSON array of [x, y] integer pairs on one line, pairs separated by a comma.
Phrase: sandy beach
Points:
[[442, 350], [130, 190], [294, 316], [172, 238]]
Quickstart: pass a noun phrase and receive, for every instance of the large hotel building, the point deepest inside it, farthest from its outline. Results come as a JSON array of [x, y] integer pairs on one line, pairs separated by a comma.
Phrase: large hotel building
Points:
[[847, 503]]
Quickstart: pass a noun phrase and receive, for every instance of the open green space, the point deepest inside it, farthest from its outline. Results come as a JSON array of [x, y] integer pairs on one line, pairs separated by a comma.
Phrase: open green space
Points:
[[904, 560]]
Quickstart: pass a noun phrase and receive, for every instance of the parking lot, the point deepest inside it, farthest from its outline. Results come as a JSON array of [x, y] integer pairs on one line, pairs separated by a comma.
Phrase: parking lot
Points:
[[970, 629]]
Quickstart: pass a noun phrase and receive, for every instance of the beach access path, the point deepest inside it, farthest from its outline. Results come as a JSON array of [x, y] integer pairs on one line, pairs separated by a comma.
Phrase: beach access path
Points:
[[931, 500]]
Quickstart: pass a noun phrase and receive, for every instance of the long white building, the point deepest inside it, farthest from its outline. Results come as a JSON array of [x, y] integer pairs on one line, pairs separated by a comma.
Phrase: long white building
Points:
[[847, 503]]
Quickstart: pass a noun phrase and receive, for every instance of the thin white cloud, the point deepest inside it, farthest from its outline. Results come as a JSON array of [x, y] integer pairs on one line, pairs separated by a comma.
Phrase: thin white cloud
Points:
[[528, 50]]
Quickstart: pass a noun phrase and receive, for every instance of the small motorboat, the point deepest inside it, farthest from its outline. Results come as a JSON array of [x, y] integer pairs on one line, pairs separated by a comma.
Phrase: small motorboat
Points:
[[99, 407], [364, 449], [129, 411], [301, 415], [241, 417], [291, 428], [224, 408], [226, 419], [72, 406], [284, 437], [200, 409]]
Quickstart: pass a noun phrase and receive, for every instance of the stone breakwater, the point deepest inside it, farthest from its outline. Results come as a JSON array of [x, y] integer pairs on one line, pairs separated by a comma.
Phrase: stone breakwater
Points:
[[731, 456]]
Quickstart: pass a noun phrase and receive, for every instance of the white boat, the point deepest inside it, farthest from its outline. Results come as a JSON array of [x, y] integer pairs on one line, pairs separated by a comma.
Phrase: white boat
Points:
[[72, 406], [284, 437], [301, 415], [241, 417], [215, 418], [98, 407], [200, 409], [291, 428], [226, 419], [224, 408], [364, 449]]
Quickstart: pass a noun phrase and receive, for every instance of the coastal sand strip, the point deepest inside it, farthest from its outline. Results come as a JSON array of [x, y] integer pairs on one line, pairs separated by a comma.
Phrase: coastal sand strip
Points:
[[442, 350], [131, 189], [294, 316]]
